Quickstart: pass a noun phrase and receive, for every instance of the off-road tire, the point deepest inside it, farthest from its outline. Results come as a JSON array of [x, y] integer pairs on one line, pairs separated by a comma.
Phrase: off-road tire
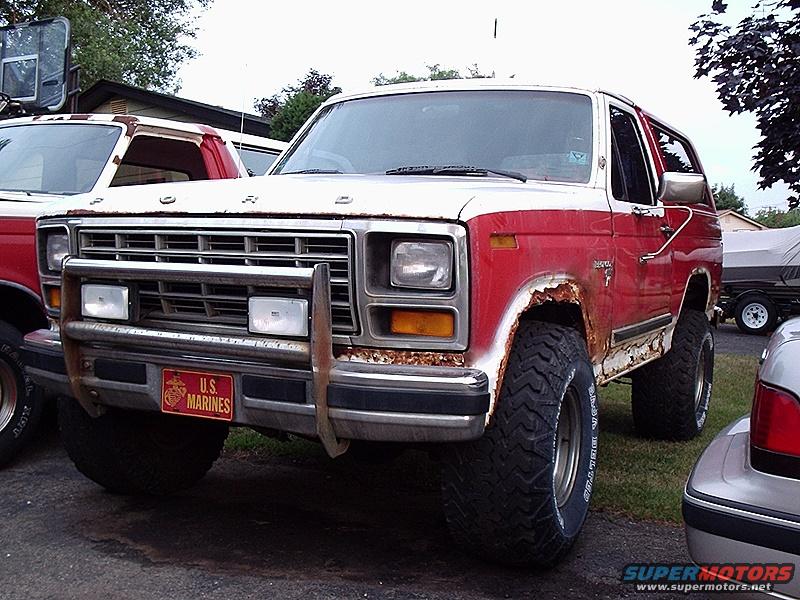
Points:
[[499, 491], [765, 311], [137, 452], [20, 401], [668, 399]]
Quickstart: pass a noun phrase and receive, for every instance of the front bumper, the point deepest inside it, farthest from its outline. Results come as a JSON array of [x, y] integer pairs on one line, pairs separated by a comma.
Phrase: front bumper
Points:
[[736, 514], [293, 386]]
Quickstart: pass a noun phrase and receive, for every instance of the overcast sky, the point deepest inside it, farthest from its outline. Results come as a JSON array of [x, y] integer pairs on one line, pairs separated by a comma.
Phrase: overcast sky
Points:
[[252, 48]]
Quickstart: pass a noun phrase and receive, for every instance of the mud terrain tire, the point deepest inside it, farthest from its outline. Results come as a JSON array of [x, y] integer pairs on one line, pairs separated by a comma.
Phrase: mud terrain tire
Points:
[[507, 496], [20, 401], [137, 452], [670, 396]]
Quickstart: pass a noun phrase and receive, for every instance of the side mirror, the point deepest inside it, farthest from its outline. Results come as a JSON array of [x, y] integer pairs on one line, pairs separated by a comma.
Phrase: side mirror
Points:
[[681, 188]]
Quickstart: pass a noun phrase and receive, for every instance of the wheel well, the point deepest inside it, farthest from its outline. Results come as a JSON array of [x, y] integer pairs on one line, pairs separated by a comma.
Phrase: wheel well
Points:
[[20, 309], [696, 296], [559, 313]]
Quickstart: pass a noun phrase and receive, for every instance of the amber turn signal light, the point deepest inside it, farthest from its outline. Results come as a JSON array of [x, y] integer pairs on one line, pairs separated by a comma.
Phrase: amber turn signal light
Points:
[[502, 240], [423, 322], [54, 297]]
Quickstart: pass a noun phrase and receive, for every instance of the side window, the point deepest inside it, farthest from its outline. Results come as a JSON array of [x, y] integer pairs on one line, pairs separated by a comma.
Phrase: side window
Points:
[[677, 155], [256, 160], [633, 175], [151, 159], [617, 184], [128, 174]]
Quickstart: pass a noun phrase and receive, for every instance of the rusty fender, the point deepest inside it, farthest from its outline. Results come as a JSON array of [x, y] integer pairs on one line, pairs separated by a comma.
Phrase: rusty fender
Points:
[[558, 288]]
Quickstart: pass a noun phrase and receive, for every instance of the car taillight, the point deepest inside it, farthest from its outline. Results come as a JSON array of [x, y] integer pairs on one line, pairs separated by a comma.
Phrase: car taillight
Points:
[[775, 430]]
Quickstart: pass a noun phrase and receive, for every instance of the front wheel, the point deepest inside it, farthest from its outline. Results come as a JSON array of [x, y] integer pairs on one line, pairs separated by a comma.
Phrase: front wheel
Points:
[[135, 452], [20, 402], [520, 494]]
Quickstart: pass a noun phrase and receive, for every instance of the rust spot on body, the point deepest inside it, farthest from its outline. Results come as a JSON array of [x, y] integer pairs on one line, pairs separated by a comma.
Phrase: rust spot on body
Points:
[[565, 292], [130, 123], [400, 357], [627, 357]]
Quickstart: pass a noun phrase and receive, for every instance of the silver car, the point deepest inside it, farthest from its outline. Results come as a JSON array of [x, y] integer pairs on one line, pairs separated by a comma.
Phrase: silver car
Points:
[[742, 500]]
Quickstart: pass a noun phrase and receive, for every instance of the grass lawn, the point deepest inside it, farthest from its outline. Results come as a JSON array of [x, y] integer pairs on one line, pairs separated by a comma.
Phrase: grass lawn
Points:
[[639, 478], [643, 478]]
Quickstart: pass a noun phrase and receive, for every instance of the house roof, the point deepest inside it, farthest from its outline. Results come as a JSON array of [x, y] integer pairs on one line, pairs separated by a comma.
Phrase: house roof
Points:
[[739, 215], [105, 90]]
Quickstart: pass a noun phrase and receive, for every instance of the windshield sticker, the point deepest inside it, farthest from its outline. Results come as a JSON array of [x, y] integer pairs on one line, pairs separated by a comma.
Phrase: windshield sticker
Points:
[[578, 158]]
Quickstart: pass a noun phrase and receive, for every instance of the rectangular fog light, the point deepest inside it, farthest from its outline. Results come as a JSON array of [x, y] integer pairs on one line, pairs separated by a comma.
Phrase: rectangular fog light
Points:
[[105, 301], [278, 316]]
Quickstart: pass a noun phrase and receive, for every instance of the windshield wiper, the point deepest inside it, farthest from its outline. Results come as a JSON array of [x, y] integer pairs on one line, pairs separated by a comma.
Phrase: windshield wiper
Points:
[[454, 170], [312, 172]]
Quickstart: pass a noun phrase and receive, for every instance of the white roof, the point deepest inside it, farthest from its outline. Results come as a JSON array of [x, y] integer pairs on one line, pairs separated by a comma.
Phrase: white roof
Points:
[[486, 83], [122, 120]]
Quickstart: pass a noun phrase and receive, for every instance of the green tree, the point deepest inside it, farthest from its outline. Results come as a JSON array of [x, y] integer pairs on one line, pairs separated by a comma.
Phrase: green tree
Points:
[[140, 42], [435, 72], [289, 109], [777, 218], [725, 197], [756, 68]]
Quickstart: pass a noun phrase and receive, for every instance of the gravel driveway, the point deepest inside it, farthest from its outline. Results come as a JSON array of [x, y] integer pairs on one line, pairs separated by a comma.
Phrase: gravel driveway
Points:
[[286, 527], [278, 527], [729, 340]]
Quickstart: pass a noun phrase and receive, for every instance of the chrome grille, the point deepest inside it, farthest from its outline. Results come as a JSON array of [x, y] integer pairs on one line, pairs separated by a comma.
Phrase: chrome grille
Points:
[[225, 305]]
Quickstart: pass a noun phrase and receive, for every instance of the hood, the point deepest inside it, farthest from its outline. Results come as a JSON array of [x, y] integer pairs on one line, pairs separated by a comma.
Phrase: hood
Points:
[[421, 197], [21, 204]]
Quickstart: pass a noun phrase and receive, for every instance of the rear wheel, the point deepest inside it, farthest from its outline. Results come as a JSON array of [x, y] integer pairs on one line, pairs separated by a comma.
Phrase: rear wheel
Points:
[[756, 314], [670, 396], [520, 494], [135, 452], [20, 402]]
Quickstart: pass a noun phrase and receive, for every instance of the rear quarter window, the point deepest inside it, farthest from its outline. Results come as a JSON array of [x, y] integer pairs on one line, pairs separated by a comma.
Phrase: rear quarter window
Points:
[[677, 153]]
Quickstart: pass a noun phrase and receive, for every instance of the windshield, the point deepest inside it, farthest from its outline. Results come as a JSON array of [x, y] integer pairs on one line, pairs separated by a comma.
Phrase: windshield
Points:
[[542, 135], [54, 158]]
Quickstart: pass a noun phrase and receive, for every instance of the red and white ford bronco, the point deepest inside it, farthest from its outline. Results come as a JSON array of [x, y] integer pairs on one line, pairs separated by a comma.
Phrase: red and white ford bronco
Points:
[[457, 263], [44, 158]]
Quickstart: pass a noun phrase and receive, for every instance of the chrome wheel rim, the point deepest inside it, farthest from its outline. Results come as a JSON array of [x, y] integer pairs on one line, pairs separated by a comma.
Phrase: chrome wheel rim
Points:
[[755, 315], [568, 448], [700, 380], [8, 395]]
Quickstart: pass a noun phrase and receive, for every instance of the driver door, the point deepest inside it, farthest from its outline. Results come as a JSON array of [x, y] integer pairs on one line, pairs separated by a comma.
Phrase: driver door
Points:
[[641, 290]]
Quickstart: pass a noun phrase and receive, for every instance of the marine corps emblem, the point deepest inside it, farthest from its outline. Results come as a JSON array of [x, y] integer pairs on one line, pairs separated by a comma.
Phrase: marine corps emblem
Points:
[[175, 391]]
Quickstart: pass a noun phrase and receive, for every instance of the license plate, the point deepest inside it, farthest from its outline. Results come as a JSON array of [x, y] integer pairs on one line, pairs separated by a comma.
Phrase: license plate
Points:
[[207, 395]]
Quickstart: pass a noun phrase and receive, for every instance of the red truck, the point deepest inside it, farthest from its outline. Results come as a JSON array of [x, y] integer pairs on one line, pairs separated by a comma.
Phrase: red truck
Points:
[[45, 158], [457, 264]]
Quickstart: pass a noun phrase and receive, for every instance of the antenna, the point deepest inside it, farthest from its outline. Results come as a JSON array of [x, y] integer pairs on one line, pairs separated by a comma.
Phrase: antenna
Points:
[[495, 47], [241, 128]]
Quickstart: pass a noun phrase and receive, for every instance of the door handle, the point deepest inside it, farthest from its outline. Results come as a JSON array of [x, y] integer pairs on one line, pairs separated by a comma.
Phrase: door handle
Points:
[[646, 211], [667, 230], [651, 255]]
